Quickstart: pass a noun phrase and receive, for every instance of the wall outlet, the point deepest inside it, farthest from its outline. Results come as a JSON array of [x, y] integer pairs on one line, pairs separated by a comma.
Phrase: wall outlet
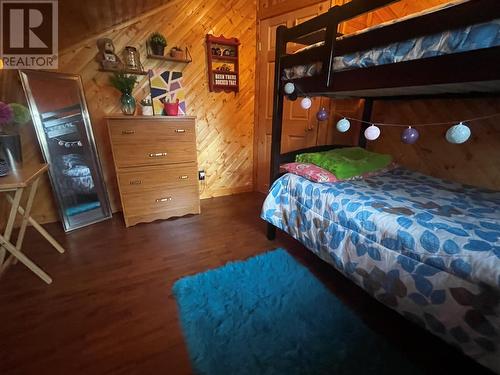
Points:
[[201, 175]]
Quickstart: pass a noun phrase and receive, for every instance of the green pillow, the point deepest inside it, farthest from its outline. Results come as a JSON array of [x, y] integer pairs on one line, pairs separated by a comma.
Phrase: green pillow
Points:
[[347, 162]]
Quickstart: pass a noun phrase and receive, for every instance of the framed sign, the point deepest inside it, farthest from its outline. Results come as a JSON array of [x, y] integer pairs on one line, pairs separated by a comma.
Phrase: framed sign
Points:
[[223, 67]]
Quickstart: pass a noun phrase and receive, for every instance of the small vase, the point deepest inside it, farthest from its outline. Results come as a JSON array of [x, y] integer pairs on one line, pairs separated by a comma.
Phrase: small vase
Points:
[[176, 54], [127, 102], [10, 149], [171, 109], [147, 110]]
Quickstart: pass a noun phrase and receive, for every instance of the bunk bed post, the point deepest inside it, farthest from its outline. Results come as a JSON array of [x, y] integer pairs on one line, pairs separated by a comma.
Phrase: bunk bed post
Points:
[[331, 37], [277, 117], [367, 116]]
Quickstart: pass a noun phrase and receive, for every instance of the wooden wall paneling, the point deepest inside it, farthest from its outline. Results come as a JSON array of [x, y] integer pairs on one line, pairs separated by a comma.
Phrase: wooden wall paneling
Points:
[[224, 121], [475, 162], [273, 8], [79, 22]]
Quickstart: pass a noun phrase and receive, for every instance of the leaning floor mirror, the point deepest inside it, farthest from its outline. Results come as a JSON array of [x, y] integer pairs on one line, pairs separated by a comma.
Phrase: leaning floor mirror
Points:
[[62, 123]]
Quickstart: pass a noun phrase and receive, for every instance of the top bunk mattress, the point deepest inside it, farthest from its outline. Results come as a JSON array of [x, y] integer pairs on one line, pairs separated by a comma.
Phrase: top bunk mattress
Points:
[[470, 38], [453, 227]]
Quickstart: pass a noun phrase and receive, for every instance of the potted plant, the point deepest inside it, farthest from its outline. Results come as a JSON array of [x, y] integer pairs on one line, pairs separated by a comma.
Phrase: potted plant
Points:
[[11, 116], [177, 53], [147, 106], [157, 43], [125, 84]]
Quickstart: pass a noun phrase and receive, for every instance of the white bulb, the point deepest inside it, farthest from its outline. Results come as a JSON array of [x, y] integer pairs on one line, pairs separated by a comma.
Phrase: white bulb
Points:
[[343, 125], [372, 133], [306, 103], [289, 88]]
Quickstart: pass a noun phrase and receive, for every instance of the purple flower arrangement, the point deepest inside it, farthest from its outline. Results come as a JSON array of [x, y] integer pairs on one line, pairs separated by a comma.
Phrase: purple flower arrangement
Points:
[[6, 113]]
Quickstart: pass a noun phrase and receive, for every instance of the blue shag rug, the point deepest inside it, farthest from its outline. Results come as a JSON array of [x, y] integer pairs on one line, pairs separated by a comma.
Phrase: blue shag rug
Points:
[[270, 315]]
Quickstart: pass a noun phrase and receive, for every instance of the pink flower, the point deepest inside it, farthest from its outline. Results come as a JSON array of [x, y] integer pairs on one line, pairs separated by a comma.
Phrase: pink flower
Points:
[[6, 113]]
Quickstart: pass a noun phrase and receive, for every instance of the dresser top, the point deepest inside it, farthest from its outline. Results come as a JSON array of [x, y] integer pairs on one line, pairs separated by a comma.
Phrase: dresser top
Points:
[[151, 118]]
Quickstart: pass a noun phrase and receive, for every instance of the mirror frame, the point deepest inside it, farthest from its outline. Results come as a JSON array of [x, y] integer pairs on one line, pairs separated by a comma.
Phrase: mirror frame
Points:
[[25, 74]]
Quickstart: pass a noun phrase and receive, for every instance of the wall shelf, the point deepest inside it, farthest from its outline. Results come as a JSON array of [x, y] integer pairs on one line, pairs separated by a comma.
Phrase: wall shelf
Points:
[[225, 58], [223, 70]]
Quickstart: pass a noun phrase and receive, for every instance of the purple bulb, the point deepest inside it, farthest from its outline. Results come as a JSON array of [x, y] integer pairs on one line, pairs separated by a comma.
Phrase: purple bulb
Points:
[[409, 136], [322, 114]]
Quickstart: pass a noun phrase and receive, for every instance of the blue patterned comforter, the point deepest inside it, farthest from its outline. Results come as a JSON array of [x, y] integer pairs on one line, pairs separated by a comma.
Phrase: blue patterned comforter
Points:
[[427, 248], [483, 35]]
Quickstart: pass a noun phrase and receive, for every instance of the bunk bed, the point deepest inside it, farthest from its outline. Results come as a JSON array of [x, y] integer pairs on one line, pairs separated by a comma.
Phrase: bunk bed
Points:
[[428, 248]]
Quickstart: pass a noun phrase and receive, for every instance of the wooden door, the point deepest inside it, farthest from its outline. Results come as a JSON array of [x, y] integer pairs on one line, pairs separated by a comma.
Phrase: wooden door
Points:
[[300, 127]]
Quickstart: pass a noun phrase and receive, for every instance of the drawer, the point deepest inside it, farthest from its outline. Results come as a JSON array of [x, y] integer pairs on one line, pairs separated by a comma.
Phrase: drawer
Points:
[[127, 132], [153, 153], [136, 180], [161, 201]]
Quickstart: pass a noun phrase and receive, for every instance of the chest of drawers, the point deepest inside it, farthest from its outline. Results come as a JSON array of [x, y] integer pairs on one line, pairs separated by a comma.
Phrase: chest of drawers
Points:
[[156, 167]]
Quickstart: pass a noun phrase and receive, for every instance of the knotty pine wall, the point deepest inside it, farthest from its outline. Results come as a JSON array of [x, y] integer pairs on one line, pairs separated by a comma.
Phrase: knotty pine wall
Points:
[[224, 121]]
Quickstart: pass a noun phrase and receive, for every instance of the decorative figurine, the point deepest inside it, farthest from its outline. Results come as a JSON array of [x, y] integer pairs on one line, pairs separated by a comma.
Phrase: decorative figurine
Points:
[[107, 56]]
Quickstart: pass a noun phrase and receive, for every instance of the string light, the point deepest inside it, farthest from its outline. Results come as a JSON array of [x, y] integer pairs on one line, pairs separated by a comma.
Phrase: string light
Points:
[[343, 125], [372, 132], [289, 88], [409, 135], [306, 103], [456, 134], [322, 114], [62, 142], [420, 124]]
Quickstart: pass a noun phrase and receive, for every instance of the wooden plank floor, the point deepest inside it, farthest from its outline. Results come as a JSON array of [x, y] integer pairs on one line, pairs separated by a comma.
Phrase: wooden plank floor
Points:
[[110, 309]]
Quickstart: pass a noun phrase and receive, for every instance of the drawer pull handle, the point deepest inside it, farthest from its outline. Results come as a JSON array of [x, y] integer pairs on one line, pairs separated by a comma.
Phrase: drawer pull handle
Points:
[[135, 182], [125, 132], [180, 130], [157, 154], [166, 199], [183, 177]]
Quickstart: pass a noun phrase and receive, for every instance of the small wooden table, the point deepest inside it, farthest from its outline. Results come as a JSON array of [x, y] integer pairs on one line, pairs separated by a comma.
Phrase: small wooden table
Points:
[[13, 186]]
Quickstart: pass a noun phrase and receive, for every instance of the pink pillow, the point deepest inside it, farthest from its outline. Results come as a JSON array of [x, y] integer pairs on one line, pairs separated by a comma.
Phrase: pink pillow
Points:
[[317, 174], [310, 171]]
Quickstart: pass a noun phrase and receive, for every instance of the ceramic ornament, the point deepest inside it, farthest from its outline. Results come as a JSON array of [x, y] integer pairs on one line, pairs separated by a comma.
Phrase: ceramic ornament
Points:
[[372, 133], [410, 135], [306, 103], [458, 134], [322, 114], [289, 88], [343, 125]]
